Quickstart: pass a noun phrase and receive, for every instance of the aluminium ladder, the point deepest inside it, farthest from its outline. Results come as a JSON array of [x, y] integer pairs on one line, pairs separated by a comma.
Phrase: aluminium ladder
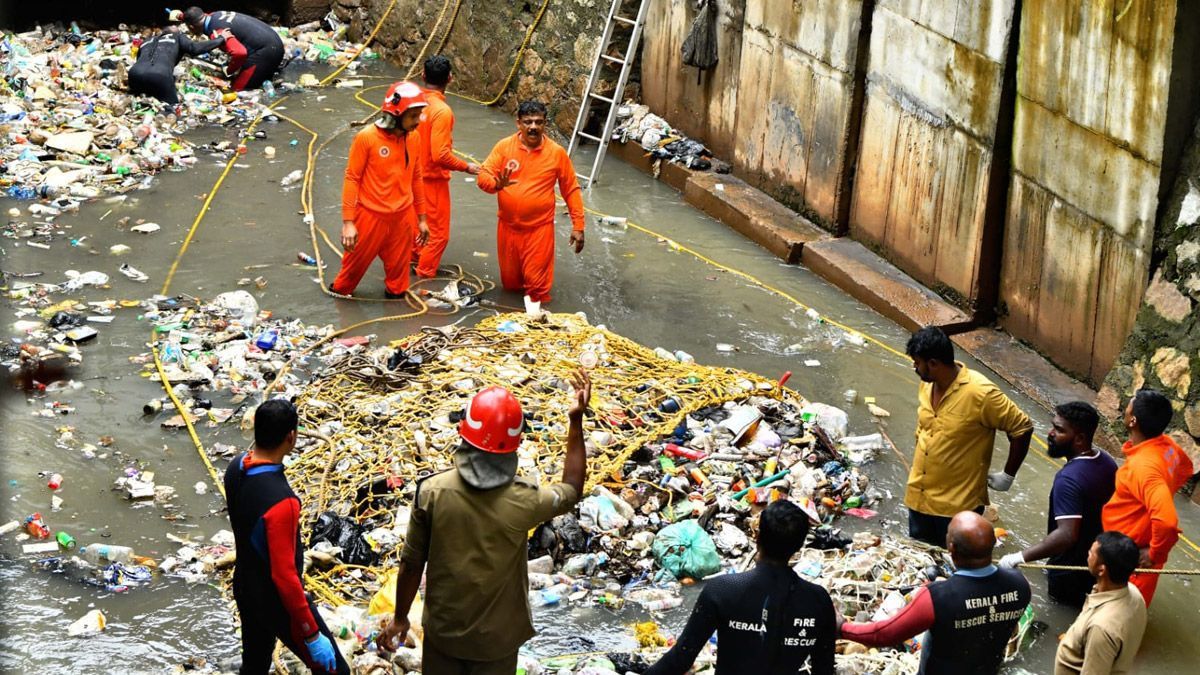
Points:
[[590, 95]]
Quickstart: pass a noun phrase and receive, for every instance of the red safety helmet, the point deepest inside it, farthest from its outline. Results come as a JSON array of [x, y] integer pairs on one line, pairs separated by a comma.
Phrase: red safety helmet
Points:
[[401, 96], [493, 421]]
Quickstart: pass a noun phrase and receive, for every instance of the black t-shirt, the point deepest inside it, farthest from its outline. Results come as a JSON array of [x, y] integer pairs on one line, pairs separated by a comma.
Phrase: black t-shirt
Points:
[[768, 620], [974, 614], [1081, 489]]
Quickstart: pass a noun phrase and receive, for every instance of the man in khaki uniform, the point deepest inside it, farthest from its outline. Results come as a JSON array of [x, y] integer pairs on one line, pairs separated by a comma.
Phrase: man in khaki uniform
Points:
[[470, 528], [958, 415], [1108, 632]]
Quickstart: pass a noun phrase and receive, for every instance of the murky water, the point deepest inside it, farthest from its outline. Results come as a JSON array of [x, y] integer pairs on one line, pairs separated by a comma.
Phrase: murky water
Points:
[[637, 285]]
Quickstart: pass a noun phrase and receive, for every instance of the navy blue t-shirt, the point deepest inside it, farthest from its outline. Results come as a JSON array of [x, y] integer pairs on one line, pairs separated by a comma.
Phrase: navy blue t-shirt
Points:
[[1081, 489]]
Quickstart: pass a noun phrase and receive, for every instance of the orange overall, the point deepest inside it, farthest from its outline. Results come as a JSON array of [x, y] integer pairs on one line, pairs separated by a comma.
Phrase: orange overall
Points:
[[1143, 505], [437, 161], [383, 195], [525, 231]]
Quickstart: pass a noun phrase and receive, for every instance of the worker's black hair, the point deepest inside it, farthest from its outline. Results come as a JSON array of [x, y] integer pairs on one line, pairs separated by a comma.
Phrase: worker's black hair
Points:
[[193, 16], [437, 70], [531, 108], [931, 343], [1153, 411], [1119, 554], [273, 421], [782, 529], [1082, 417]]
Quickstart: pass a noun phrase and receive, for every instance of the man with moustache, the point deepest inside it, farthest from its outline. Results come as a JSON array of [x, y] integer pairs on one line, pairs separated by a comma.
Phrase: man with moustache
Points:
[[958, 415], [1081, 489]]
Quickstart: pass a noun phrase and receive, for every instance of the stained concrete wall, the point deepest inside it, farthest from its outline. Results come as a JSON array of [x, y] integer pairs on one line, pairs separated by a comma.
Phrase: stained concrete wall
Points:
[[934, 90], [1163, 351], [1087, 172], [780, 101]]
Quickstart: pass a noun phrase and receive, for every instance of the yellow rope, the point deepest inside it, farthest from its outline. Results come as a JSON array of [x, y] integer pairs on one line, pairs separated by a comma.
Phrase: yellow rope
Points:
[[418, 62], [512, 72], [1083, 568]]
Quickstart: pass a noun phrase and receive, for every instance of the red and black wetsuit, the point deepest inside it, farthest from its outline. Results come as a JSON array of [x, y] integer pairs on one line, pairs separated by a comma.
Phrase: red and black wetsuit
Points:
[[154, 72], [255, 51], [265, 515]]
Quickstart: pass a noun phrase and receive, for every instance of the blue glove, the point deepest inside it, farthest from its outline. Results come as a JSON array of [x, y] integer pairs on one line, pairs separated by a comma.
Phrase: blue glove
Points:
[[321, 651]]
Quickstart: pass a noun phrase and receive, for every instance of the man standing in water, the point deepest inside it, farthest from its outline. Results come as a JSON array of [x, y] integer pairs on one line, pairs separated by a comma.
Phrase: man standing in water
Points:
[[1143, 505], [437, 129], [383, 196], [265, 516], [1080, 490], [522, 171], [958, 415], [469, 532]]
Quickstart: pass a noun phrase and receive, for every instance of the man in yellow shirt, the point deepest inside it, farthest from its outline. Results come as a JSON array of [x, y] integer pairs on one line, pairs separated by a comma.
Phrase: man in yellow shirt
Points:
[[958, 415]]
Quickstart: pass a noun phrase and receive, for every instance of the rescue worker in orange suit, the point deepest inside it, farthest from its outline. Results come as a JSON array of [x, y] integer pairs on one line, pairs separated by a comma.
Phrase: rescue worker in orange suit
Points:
[[468, 532], [522, 171], [383, 195], [438, 160], [255, 49], [1143, 505]]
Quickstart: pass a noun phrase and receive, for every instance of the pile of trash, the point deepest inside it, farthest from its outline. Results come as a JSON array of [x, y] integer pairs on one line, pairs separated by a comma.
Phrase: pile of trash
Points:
[[658, 138], [72, 132]]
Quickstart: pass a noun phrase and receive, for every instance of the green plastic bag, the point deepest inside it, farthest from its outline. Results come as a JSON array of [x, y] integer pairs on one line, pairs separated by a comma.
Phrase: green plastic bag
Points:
[[685, 550]]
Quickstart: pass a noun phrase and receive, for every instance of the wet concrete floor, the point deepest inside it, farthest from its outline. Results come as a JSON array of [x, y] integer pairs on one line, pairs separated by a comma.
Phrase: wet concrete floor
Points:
[[634, 283]]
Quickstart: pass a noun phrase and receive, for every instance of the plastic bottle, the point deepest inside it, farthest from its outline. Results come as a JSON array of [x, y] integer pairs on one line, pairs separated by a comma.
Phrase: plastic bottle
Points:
[[306, 258], [22, 192], [106, 553], [269, 87], [662, 604], [543, 598], [65, 540], [266, 340]]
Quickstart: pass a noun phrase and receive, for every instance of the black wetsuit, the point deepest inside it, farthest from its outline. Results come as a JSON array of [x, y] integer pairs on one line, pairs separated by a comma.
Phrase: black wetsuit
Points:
[[254, 54], [270, 597], [768, 620], [153, 73]]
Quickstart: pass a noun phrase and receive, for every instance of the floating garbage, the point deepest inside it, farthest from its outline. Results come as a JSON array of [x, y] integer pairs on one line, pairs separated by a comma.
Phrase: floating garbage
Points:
[[89, 624]]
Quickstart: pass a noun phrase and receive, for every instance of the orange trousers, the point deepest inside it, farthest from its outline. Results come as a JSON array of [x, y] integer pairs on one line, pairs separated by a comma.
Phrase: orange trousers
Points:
[[1146, 583], [437, 218], [526, 257], [388, 236]]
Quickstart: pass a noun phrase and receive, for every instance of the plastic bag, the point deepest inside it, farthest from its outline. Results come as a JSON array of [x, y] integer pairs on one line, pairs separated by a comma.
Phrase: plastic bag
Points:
[[604, 511], [347, 535], [685, 550], [384, 600]]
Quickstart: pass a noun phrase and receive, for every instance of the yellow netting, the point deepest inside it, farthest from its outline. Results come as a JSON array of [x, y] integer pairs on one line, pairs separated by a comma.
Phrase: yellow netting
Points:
[[383, 428]]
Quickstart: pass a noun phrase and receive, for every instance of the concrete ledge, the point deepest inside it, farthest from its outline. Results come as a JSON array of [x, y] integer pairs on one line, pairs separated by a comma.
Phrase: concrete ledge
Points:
[[675, 175], [877, 283], [1024, 368], [754, 214]]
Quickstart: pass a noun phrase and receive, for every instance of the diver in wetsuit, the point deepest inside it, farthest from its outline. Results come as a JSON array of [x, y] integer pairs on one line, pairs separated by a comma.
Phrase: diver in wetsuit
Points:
[[255, 49], [154, 72], [267, 587]]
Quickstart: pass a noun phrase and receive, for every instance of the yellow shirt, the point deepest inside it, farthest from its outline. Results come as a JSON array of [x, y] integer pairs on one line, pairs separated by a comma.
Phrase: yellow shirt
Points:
[[1106, 635], [954, 443]]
